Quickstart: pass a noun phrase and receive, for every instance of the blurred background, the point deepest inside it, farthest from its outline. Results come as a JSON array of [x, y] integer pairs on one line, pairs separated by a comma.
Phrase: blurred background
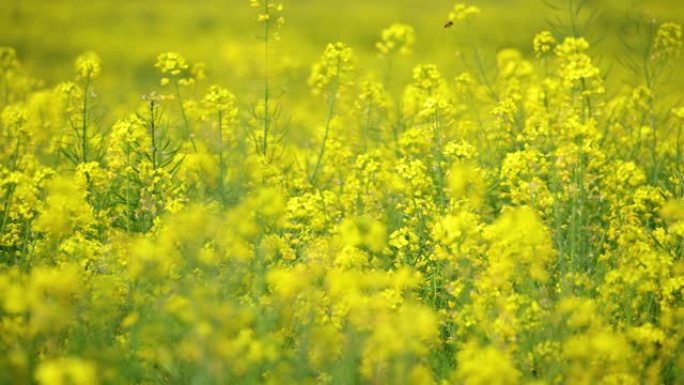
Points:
[[129, 34]]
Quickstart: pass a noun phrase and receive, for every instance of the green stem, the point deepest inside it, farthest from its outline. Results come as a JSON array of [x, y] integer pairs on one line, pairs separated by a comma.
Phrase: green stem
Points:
[[388, 73], [5, 91], [679, 147], [483, 74], [220, 154], [10, 188], [649, 76], [186, 122], [153, 134], [129, 212], [331, 112], [367, 128], [573, 18], [267, 120], [437, 145], [5, 210], [84, 122]]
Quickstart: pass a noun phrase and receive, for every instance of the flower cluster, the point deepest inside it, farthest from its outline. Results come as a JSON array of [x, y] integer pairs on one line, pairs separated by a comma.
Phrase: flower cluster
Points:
[[520, 221], [396, 39], [332, 69], [463, 11], [88, 65]]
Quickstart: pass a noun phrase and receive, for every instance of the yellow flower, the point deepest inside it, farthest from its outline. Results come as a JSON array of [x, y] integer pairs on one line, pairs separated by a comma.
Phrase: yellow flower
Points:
[[68, 370], [8, 59], [364, 232], [330, 72], [427, 78], [668, 40], [543, 43], [486, 365], [219, 99], [463, 11], [673, 211], [466, 182], [88, 65], [396, 39], [67, 208], [171, 63]]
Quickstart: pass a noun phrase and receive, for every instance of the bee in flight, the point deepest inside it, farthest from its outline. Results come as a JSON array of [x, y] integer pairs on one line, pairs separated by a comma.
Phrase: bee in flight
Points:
[[449, 24]]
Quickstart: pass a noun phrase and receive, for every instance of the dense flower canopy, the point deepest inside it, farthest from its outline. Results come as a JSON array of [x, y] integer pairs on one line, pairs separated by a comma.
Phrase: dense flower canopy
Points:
[[521, 223]]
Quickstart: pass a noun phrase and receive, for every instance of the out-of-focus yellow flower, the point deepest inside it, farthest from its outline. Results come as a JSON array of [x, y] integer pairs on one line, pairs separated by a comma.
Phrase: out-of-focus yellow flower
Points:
[[466, 182], [88, 65], [678, 112], [172, 63], [67, 208], [519, 237], [269, 10], [8, 59], [576, 67], [463, 11], [427, 77], [668, 40], [511, 64], [365, 232], [289, 282], [221, 100], [543, 43], [14, 117], [674, 212], [486, 365], [396, 39], [330, 72], [68, 370]]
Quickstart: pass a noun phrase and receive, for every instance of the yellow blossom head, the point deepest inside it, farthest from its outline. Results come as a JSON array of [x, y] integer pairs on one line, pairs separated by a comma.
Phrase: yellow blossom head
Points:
[[466, 183], [543, 43], [88, 65], [668, 40], [220, 100], [463, 11], [172, 63], [8, 59], [363, 231], [485, 365], [396, 39], [269, 14], [69, 370], [332, 68], [427, 78]]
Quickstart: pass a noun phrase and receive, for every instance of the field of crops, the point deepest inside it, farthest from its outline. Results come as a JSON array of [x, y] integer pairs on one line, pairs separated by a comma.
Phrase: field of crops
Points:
[[327, 192]]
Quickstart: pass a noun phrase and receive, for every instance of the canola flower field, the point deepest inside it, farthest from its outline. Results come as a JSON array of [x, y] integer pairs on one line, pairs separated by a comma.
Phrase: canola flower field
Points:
[[478, 206]]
